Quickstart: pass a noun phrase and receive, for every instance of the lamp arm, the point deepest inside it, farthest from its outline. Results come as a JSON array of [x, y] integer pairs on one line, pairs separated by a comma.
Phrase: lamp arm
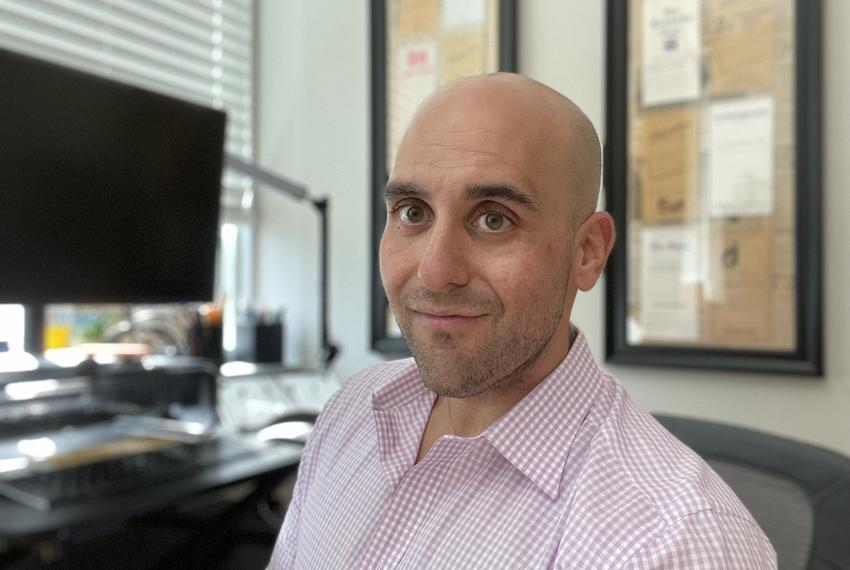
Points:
[[268, 178]]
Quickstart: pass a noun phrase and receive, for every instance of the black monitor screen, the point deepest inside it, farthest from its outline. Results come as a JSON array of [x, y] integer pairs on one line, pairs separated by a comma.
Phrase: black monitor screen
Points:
[[108, 193]]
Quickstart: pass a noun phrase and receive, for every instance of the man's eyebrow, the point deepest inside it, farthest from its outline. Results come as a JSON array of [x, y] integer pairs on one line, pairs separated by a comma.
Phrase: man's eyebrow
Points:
[[507, 192], [476, 192], [404, 190]]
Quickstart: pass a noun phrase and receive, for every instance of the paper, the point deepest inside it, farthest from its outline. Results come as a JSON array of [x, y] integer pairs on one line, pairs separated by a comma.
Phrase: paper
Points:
[[462, 55], [783, 263], [783, 291], [669, 294], [740, 254], [414, 77], [784, 311], [669, 173], [458, 13], [784, 206], [740, 286], [671, 51], [783, 105], [744, 322], [740, 174], [739, 260], [418, 18], [741, 45]]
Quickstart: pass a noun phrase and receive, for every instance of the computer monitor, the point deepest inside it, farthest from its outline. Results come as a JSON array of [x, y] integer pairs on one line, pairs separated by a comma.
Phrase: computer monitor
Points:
[[108, 193]]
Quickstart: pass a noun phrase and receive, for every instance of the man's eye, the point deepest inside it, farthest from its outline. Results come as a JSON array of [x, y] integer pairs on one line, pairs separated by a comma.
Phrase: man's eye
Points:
[[412, 214], [493, 222]]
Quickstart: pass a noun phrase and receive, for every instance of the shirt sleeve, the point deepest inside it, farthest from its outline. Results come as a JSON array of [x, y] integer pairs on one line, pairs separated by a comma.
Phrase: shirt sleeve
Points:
[[707, 540], [283, 555]]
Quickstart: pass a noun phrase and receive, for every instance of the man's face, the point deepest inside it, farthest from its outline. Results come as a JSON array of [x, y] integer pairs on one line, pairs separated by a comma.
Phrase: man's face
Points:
[[475, 256]]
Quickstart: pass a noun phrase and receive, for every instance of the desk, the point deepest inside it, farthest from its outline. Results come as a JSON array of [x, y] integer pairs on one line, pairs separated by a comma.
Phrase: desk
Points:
[[267, 467], [174, 391]]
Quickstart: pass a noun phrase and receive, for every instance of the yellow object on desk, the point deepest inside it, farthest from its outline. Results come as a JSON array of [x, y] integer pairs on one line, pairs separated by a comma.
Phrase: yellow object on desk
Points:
[[57, 336]]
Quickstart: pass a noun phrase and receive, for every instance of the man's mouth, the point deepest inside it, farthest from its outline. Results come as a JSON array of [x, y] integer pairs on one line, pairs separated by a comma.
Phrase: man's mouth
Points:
[[448, 313], [447, 319]]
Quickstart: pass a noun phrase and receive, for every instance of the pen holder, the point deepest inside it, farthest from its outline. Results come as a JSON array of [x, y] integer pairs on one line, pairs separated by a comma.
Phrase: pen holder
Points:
[[210, 343], [268, 342]]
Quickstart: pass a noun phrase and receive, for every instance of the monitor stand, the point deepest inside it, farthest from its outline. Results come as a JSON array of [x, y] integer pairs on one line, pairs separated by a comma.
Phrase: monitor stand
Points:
[[34, 329]]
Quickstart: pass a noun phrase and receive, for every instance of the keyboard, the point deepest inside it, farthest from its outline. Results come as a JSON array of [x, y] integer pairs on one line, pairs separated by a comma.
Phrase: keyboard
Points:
[[119, 475]]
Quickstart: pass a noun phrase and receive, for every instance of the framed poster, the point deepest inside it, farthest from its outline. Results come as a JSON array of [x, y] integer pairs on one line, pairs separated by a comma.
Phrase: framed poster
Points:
[[713, 179], [418, 45]]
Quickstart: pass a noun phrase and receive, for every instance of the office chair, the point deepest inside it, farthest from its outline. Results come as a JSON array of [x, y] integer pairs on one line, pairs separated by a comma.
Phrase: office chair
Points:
[[798, 493]]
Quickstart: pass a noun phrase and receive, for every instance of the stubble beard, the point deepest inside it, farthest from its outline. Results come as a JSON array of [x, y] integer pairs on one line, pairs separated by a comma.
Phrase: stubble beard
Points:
[[454, 369]]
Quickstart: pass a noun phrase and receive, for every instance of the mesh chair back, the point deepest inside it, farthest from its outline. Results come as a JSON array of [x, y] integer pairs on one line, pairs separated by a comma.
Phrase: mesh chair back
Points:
[[798, 493], [780, 506]]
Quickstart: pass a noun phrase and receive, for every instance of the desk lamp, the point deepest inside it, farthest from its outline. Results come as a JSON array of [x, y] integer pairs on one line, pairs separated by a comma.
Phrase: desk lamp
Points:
[[298, 192]]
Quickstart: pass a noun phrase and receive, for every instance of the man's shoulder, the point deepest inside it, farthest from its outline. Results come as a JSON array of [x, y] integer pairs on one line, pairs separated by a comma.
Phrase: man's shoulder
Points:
[[673, 478], [654, 487]]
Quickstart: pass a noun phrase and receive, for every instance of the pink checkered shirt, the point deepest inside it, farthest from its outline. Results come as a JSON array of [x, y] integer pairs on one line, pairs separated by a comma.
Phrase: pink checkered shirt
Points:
[[573, 476]]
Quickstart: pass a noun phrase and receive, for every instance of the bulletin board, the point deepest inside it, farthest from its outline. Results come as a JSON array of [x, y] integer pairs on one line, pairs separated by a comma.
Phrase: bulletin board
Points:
[[713, 177], [418, 45]]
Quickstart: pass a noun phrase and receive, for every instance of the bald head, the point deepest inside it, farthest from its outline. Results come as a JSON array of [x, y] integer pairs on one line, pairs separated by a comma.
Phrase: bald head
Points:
[[545, 127], [482, 255]]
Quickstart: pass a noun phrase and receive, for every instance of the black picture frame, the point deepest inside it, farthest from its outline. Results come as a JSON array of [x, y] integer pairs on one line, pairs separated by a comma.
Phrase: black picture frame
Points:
[[807, 359], [507, 61]]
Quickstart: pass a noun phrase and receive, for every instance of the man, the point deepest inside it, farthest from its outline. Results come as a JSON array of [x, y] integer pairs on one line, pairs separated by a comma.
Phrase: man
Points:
[[502, 445]]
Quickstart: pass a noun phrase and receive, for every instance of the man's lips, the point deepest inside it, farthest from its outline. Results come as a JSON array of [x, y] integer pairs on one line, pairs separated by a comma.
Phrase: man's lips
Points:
[[447, 319], [447, 314]]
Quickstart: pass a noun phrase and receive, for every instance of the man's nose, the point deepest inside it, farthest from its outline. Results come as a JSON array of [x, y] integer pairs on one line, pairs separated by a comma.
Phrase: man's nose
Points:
[[445, 264]]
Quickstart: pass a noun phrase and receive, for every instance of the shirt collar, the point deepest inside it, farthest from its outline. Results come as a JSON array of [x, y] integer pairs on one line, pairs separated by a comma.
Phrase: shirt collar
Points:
[[535, 436], [400, 408]]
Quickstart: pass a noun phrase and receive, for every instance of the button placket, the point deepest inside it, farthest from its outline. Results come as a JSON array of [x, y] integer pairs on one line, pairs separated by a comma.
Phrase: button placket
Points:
[[424, 486]]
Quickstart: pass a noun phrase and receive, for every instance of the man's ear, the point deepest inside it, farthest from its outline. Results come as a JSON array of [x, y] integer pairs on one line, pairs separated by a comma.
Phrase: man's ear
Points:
[[594, 241]]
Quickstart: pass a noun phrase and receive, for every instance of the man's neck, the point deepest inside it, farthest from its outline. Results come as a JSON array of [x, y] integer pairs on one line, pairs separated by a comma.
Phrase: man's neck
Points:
[[468, 417]]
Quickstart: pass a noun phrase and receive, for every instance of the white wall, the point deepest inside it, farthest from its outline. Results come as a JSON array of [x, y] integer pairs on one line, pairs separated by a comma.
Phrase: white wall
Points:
[[313, 122], [314, 126]]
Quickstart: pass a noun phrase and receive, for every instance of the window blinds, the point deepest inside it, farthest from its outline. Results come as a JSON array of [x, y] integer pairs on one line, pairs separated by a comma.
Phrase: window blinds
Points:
[[198, 50]]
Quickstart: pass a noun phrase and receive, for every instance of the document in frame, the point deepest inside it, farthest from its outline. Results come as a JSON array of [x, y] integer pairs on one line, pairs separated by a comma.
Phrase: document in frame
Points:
[[741, 44], [413, 78], [671, 51], [740, 169], [745, 321], [417, 18], [462, 55], [670, 274], [783, 290], [739, 258], [740, 288], [669, 167], [462, 13]]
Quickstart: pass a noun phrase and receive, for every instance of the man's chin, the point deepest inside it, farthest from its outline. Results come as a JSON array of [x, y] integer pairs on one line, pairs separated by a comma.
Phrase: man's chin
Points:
[[434, 344], [445, 381]]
